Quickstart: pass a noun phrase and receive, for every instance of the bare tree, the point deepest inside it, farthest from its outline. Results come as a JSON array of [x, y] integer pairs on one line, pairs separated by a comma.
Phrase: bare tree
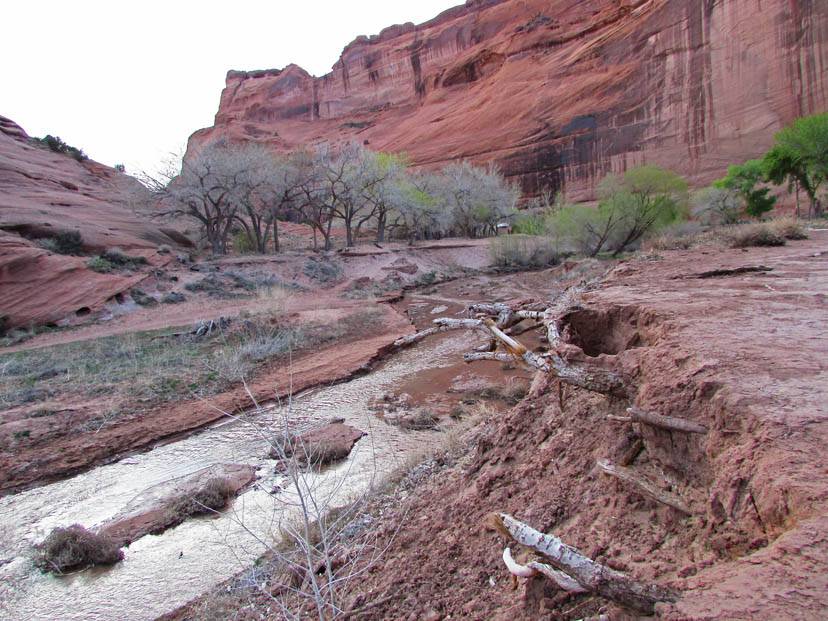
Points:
[[478, 198], [210, 189]]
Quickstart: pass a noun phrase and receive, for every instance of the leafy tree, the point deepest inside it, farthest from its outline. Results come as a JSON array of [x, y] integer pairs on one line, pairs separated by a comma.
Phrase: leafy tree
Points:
[[743, 179], [644, 199], [800, 157]]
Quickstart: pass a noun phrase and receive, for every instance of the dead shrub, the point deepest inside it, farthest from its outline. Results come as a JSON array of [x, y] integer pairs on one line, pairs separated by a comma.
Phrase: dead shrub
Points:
[[75, 547], [212, 496], [789, 228], [417, 419], [753, 234]]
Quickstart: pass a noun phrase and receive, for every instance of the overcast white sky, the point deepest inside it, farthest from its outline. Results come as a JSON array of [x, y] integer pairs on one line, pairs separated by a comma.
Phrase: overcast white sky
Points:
[[128, 82]]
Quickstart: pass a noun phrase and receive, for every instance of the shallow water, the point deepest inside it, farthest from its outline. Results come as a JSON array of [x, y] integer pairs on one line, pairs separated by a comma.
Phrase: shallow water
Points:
[[160, 573]]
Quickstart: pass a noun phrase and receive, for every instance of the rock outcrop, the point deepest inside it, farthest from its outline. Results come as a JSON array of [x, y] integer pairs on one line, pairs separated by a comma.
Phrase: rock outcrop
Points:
[[557, 93], [43, 193]]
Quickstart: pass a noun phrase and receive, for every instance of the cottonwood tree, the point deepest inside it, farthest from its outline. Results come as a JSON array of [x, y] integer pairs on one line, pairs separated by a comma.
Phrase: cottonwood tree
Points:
[[644, 199], [800, 157], [269, 193], [388, 171], [716, 206], [418, 209], [211, 188], [744, 179], [478, 198]]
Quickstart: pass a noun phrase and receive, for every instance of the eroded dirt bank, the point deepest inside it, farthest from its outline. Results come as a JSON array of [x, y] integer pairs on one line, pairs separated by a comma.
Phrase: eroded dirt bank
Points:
[[61, 451], [743, 354]]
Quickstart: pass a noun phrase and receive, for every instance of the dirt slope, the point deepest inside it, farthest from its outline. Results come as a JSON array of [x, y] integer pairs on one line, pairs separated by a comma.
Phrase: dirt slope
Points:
[[742, 354]]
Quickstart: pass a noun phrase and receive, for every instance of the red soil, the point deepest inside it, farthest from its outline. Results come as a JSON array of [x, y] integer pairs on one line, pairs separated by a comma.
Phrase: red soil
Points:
[[742, 354]]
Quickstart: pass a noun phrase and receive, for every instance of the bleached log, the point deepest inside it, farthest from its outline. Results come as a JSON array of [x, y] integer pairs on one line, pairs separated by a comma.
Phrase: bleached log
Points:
[[665, 422], [488, 355], [590, 377], [562, 579], [410, 339], [644, 486], [590, 575]]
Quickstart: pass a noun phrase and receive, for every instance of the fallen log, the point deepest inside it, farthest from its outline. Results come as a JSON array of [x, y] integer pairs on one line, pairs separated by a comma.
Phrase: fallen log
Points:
[[588, 574], [644, 486], [664, 422]]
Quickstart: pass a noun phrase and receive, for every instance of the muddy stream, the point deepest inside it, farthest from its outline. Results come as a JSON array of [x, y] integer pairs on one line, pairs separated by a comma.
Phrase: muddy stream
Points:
[[159, 573]]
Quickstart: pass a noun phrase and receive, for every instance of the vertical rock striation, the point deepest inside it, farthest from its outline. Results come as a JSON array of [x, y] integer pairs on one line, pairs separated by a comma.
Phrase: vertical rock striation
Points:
[[556, 92]]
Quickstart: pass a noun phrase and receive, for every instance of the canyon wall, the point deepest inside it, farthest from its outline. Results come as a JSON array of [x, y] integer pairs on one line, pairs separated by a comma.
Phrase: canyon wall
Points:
[[43, 193], [556, 92]]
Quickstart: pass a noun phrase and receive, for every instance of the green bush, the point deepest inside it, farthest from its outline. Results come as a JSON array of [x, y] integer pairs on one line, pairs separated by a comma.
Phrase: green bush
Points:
[[100, 265], [58, 146], [632, 207], [243, 244], [117, 257]]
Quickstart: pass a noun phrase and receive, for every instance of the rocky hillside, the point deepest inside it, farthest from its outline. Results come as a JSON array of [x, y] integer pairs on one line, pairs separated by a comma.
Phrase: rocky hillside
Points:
[[557, 92], [43, 194]]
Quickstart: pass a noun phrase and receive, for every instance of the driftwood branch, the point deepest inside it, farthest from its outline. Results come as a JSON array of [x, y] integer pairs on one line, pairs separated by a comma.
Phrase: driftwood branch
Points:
[[534, 568], [665, 422], [644, 486], [590, 575]]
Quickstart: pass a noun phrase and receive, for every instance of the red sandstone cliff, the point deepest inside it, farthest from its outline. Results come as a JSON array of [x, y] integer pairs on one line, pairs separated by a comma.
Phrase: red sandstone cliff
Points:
[[557, 92], [43, 193]]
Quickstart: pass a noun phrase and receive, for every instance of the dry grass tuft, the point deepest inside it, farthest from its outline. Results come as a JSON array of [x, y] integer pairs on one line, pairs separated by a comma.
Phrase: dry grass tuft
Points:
[[210, 497], [763, 234]]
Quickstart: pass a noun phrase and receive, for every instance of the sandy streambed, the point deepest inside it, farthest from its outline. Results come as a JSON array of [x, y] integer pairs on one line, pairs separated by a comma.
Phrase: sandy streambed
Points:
[[162, 572]]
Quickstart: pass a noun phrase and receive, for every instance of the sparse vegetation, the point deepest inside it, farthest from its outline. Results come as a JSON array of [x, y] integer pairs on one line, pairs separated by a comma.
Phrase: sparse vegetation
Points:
[[65, 242], [210, 497], [121, 260], [768, 233], [75, 547], [523, 251], [57, 145], [323, 270], [100, 265], [173, 297]]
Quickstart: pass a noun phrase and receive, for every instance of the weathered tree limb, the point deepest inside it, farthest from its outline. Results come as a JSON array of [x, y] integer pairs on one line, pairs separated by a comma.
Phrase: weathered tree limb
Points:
[[590, 575], [515, 568], [562, 579], [644, 486], [632, 452], [488, 355], [534, 568], [590, 377], [665, 422]]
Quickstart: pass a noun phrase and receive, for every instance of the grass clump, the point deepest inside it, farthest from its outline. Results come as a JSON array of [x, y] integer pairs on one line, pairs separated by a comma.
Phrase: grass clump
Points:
[[173, 297], [324, 271], [100, 265], [750, 234], [120, 259], [210, 497], [75, 547], [523, 251]]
